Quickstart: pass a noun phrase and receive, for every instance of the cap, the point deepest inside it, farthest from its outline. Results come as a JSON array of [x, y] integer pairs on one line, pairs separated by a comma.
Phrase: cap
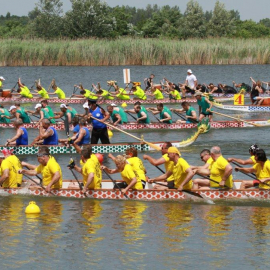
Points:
[[12, 107], [38, 106], [198, 93], [2, 78], [114, 105], [174, 150], [189, 71], [86, 106], [63, 106], [6, 152], [253, 147]]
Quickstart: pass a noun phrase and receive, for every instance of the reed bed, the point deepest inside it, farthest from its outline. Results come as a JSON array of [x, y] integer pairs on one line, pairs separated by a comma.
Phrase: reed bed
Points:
[[133, 51]]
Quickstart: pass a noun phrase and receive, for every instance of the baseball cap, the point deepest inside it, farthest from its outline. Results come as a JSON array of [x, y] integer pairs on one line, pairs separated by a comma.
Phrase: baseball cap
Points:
[[63, 106], [174, 150], [12, 107], [114, 105], [198, 93], [86, 106], [2, 78], [189, 71], [38, 106]]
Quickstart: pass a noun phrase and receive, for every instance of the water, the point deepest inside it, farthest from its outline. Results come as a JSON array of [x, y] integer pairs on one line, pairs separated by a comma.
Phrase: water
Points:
[[86, 234]]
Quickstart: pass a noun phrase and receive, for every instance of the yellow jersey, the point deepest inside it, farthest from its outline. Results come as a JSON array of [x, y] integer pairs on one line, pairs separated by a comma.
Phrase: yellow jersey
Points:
[[138, 167], [1, 84], [89, 94], [180, 174], [25, 92], [217, 172], [168, 166], [210, 162], [18, 166], [60, 93], [253, 159], [263, 172], [158, 94], [128, 174], [139, 93], [43, 93], [48, 172], [106, 95], [7, 164], [123, 94], [91, 166], [175, 94]]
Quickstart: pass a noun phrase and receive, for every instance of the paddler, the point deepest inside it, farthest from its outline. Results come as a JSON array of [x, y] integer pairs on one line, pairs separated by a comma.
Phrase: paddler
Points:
[[9, 175], [84, 93], [131, 178], [191, 115], [66, 111], [42, 92], [102, 93], [204, 106], [173, 93], [149, 82], [3, 113], [17, 112], [165, 114], [46, 107], [49, 169], [2, 79], [181, 171], [43, 114], [120, 93], [167, 163], [57, 91], [117, 114], [47, 134], [99, 131], [138, 92], [156, 93], [262, 170], [91, 171], [21, 137], [219, 170], [23, 90]]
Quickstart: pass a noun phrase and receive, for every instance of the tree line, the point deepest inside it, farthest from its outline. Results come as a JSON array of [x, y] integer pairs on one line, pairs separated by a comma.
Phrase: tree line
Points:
[[94, 18]]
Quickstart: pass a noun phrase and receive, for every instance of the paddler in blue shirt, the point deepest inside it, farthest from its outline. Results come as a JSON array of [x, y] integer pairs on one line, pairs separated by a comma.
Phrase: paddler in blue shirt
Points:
[[99, 130], [21, 137], [47, 134], [204, 106]]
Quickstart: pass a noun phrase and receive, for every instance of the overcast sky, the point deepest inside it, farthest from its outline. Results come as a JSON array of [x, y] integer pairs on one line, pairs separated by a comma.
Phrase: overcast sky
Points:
[[249, 9]]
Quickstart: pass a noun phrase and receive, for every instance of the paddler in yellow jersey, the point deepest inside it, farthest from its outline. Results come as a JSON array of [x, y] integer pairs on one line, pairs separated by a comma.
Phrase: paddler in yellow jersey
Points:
[[138, 92], [49, 169], [42, 92], [59, 92], [261, 169], [131, 178], [9, 173], [164, 159], [156, 93], [120, 93], [181, 171], [91, 171], [84, 93], [1, 82], [23, 90]]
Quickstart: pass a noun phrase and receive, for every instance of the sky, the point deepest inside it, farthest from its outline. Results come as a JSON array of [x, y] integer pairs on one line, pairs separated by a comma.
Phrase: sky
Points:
[[249, 9]]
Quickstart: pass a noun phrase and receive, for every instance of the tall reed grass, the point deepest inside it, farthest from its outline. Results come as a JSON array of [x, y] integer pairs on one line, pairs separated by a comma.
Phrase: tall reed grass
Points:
[[133, 51]]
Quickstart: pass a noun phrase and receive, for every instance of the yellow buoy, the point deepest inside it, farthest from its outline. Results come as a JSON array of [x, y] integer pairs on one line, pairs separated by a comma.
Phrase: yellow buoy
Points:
[[32, 208], [124, 105], [110, 133]]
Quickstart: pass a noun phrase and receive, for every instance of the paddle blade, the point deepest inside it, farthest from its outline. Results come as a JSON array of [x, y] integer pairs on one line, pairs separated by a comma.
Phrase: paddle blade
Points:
[[154, 146], [66, 125]]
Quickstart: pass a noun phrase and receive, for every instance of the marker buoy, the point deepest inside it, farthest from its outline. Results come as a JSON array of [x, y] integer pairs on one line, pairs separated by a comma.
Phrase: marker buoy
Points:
[[110, 133], [32, 208]]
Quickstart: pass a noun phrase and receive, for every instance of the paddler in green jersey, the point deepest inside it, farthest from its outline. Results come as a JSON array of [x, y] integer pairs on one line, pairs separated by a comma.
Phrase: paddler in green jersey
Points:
[[47, 108], [19, 113], [66, 111], [156, 93], [117, 114], [191, 115], [142, 115], [3, 113], [43, 114], [204, 106], [165, 114]]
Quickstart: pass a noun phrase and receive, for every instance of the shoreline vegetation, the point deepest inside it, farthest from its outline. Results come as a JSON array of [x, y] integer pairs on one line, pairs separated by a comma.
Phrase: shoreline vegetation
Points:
[[133, 51]]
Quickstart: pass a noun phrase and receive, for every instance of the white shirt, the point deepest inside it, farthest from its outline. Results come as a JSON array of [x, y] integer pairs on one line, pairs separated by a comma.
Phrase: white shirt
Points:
[[191, 79]]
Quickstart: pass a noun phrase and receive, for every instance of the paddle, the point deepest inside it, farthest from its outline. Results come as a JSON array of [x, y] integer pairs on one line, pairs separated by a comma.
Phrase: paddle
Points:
[[155, 116], [31, 179], [185, 119], [237, 164], [131, 116], [238, 119], [211, 180], [115, 183], [137, 138], [40, 179], [185, 191]]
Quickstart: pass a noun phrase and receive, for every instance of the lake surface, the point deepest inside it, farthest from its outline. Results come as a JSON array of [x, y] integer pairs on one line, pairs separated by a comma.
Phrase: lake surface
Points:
[[87, 234]]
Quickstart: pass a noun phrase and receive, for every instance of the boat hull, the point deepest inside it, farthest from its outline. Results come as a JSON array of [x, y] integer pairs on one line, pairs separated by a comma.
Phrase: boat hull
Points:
[[242, 108]]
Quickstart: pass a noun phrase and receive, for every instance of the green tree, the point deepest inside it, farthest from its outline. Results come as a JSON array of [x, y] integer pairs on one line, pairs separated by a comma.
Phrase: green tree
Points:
[[265, 22], [47, 20], [88, 18], [194, 22], [251, 29], [221, 23]]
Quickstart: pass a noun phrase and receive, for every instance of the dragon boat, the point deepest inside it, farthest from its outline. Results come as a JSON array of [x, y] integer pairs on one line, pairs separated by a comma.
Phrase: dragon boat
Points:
[[110, 148], [240, 108], [71, 189], [158, 126]]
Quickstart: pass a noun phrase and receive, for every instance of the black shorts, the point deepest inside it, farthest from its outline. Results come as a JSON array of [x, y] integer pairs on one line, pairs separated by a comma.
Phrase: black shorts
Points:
[[100, 134], [170, 184], [120, 185], [207, 114], [189, 90]]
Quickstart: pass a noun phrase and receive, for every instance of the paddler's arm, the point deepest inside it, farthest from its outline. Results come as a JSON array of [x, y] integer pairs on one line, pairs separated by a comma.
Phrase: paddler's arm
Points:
[[28, 172], [110, 171], [153, 161], [118, 119], [161, 177], [111, 156], [5, 176], [57, 116], [193, 117], [28, 165], [55, 179], [177, 110], [130, 111], [20, 83], [168, 117], [90, 178], [227, 172], [209, 102], [131, 184], [144, 116], [245, 170], [241, 161], [82, 132], [18, 134], [45, 134], [189, 176], [265, 180]]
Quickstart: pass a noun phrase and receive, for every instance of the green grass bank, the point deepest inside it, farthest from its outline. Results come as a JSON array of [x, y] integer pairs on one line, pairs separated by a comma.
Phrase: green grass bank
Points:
[[129, 51]]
